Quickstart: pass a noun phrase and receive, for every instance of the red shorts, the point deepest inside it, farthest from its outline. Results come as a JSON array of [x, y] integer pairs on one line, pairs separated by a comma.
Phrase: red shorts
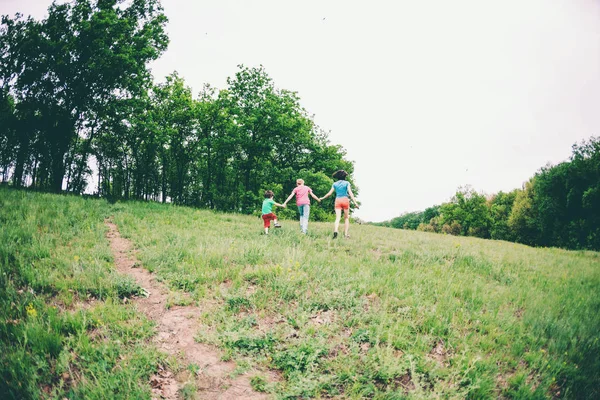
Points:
[[267, 218], [342, 203]]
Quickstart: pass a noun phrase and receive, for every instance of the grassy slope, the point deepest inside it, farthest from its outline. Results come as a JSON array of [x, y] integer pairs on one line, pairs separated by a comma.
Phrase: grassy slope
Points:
[[64, 331], [385, 314]]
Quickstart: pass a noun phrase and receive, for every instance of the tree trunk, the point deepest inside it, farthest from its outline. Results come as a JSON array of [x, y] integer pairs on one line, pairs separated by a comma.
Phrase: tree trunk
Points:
[[164, 182], [58, 172], [19, 167], [83, 162]]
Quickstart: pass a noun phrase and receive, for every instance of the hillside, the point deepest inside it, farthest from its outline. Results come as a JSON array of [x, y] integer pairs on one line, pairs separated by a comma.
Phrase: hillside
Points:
[[385, 314]]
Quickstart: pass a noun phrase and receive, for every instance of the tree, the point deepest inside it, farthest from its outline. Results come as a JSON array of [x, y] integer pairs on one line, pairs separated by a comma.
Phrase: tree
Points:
[[500, 206], [74, 86], [70, 66], [275, 135], [584, 194], [522, 219], [468, 209], [8, 137], [174, 113], [566, 200]]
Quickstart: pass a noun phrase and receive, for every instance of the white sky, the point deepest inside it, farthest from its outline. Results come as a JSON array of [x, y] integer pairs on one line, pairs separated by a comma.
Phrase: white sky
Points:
[[426, 96]]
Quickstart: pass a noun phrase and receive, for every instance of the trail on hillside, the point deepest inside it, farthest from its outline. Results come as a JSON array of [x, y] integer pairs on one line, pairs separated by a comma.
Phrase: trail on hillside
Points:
[[176, 328]]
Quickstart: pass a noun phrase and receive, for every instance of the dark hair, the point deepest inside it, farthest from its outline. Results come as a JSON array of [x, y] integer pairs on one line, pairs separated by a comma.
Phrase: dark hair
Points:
[[269, 194], [340, 174]]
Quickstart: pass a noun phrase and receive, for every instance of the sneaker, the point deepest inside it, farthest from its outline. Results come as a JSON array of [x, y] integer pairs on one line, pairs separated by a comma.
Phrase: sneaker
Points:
[[335, 235], [277, 226], [346, 236]]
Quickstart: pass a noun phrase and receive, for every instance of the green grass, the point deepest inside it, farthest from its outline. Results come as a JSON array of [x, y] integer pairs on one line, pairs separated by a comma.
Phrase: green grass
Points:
[[387, 314], [361, 317], [64, 331]]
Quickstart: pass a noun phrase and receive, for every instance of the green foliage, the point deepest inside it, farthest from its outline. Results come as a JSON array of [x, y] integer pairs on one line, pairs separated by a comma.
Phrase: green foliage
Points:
[[126, 286], [522, 219], [259, 384], [413, 220], [66, 74], [501, 207], [250, 344], [466, 214], [220, 151], [408, 221], [559, 206], [566, 200], [236, 304], [76, 85], [299, 358]]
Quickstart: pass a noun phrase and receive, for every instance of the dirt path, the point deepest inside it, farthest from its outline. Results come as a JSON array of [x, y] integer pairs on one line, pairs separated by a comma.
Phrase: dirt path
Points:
[[176, 328]]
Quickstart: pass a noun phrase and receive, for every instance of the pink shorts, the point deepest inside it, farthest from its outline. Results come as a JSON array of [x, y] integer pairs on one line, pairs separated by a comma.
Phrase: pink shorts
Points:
[[342, 203]]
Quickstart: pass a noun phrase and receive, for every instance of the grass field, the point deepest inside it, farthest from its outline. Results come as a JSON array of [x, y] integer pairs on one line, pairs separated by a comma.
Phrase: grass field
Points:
[[386, 314]]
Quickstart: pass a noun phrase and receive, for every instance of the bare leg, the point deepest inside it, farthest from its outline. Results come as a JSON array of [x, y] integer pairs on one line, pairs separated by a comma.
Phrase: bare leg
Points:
[[346, 221], [338, 216]]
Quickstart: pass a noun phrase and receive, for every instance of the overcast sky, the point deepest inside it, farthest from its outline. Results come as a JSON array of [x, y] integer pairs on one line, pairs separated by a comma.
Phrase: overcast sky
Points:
[[425, 96]]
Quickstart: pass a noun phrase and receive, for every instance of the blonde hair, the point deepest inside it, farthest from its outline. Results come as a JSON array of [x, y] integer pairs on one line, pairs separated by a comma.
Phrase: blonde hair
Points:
[[300, 181]]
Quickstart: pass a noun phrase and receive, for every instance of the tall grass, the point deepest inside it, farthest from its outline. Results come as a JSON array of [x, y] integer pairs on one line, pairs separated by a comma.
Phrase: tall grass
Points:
[[385, 314], [64, 331]]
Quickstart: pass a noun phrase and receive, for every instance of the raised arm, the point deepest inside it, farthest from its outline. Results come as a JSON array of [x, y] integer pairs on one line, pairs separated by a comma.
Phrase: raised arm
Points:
[[328, 194]]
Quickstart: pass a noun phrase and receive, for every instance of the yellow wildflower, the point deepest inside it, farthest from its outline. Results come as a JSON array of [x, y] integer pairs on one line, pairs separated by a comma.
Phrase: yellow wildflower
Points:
[[31, 311]]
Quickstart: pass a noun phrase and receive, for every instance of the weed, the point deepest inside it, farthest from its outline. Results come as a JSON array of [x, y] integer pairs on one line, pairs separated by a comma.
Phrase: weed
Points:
[[237, 304], [259, 384]]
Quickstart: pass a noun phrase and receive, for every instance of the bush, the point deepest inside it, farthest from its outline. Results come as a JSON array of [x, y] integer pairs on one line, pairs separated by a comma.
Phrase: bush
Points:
[[426, 228], [453, 228]]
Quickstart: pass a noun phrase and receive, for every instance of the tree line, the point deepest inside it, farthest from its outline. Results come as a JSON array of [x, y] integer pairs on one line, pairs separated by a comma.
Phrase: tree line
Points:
[[559, 206], [77, 99]]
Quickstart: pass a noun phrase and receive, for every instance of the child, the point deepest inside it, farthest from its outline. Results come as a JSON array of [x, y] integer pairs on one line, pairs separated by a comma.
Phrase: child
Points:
[[342, 190], [267, 208], [303, 203]]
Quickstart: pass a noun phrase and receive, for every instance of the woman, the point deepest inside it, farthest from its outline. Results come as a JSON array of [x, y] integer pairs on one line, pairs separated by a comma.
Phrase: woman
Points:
[[342, 191]]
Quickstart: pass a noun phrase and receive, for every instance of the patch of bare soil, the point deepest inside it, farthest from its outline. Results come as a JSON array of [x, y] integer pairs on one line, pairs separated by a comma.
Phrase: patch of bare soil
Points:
[[519, 312], [405, 382], [176, 328], [439, 353]]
